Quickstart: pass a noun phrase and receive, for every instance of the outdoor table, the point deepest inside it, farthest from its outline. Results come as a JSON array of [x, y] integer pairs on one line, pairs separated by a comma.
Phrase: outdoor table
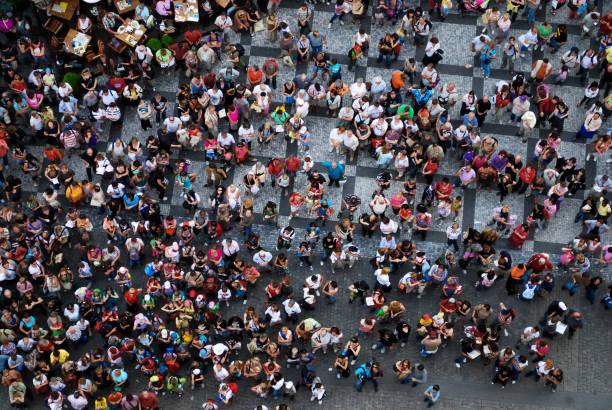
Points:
[[76, 42], [130, 38], [124, 6], [186, 10], [64, 9]]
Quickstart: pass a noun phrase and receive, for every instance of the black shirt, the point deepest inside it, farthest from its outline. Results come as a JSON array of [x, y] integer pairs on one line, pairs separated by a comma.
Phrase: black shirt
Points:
[[483, 106], [159, 105], [385, 46], [90, 159]]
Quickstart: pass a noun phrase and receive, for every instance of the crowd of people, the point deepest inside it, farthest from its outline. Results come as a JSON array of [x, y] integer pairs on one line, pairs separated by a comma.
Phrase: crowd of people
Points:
[[154, 299]]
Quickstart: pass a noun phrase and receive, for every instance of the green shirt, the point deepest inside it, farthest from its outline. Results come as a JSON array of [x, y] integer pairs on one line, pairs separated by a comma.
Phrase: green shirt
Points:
[[545, 32]]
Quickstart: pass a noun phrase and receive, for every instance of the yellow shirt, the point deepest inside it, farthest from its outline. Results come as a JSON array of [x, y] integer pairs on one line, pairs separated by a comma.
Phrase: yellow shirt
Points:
[[63, 356]]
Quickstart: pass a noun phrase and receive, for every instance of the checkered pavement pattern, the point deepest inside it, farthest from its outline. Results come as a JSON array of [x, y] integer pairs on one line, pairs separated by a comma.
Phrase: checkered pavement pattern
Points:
[[463, 389]]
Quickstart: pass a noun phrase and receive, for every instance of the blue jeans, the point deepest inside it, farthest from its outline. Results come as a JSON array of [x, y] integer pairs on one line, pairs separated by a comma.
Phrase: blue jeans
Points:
[[3, 359], [590, 294], [316, 49], [336, 17], [331, 299], [572, 287], [485, 67], [387, 59], [530, 13]]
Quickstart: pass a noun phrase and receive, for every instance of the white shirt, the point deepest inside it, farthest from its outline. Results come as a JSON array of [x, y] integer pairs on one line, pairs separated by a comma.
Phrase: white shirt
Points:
[[110, 97], [230, 247], [258, 259], [292, 309], [226, 140], [478, 45], [452, 234], [220, 374], [358, 90], [172, 125], [223, 21]]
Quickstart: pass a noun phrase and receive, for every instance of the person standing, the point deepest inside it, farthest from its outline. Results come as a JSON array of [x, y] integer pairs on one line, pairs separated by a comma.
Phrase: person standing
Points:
[[432, 394]]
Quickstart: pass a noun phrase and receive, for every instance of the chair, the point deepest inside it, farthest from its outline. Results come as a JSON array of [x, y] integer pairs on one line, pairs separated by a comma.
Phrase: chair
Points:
[[90, 56], [53, 25], [117, 46]]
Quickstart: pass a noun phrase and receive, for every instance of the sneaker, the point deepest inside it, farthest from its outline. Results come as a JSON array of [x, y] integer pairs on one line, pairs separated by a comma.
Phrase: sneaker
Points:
[[320, 402], [322, 263], [165, 198], [457, 365], [301, 263], [402, 344], [244, 302], [353, 362], [513, 381], [374, 346], [342, 24], [382, 351], [312, 398], [588, 157], [505, 333], [464, 272], [311, 268], [328, 26], [337, 375]]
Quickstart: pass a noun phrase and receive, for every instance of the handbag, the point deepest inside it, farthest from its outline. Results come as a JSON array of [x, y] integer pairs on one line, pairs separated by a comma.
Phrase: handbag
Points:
[[288, 61]]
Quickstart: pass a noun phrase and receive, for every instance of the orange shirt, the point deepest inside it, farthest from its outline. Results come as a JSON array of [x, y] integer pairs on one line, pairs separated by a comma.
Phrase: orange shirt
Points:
[[396, 80], [517, 272]]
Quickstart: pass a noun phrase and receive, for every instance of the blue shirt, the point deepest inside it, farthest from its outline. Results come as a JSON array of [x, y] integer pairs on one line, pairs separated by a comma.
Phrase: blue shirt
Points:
[[469, 123], [334, 173], [435, 394]]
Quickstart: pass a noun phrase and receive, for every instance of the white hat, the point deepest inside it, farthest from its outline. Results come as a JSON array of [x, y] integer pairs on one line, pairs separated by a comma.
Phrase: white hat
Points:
[[122, 269], [167, 285], [147, 298], [218, 349], [562, 305], [303, 130], [289, 385], [197, 372]]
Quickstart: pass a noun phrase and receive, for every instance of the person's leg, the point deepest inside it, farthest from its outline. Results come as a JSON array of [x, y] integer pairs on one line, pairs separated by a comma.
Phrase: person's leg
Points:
[[590, 294]]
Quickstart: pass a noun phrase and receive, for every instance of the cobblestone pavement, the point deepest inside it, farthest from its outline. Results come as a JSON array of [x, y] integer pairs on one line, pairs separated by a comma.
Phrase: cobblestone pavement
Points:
[[585, 359]]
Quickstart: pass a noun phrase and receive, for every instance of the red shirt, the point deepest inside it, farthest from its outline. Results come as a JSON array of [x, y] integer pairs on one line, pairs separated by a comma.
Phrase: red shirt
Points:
[[255, 77], [148, 400], [118, 84], [444, 189], [431, 167], [131, 298], [526, 175], [193, 37], [292, 165]]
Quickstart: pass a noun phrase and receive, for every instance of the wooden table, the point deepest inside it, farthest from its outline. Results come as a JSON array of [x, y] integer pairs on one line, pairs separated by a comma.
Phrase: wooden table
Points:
[[186, 10], [124, 6], [222, 3], [64, 9], [131, 39], [82, 38]]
